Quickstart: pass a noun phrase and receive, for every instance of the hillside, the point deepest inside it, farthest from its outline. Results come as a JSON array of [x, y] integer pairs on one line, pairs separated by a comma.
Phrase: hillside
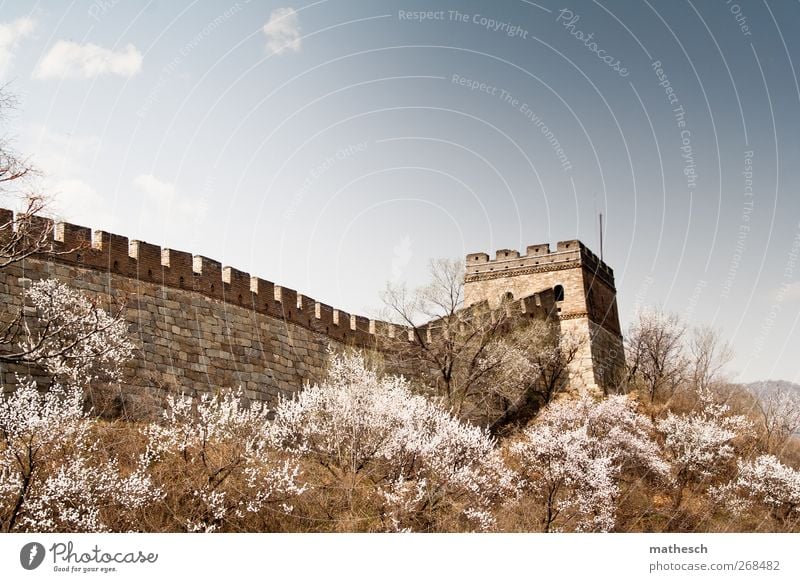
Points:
[[765, 387]]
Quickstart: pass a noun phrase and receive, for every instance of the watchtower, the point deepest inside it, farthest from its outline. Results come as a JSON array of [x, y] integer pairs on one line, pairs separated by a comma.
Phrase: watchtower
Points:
[[585, 297]]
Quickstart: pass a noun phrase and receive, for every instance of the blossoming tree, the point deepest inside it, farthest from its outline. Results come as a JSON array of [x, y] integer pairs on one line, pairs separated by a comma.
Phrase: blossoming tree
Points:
[[407, 458]]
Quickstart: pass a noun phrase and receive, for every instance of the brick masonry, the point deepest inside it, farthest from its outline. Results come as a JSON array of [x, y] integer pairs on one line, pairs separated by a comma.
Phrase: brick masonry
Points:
[[588, 308], [200, 326]]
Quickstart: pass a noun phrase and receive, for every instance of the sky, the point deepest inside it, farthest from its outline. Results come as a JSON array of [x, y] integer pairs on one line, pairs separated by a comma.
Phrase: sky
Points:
[[336, 145]]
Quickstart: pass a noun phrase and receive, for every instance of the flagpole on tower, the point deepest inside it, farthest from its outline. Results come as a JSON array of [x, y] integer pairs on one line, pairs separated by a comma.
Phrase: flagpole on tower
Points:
[[601, 236]]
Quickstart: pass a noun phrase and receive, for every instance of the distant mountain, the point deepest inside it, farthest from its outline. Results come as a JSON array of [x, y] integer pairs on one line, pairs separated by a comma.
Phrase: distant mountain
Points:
[[765, 387]]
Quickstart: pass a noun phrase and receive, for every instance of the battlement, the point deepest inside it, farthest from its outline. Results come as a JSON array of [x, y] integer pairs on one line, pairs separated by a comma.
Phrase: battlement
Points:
[[147, 263], [538, 258], [541, 305], [582, 288], [203, 323]]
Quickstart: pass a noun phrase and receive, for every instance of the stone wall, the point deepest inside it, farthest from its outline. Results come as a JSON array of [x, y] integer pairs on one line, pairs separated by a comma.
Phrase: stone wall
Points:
[[538, 269], [198, 326], [608, 355], [588, 310], [187, 342]]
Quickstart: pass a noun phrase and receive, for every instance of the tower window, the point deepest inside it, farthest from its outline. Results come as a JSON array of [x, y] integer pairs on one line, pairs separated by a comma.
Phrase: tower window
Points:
[[558, 291]]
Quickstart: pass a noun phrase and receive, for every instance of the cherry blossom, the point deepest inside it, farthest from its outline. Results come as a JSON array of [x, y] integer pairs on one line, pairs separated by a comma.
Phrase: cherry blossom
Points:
[[52, 477], [573, 454], [360, 425], [764, 480], [73, 338], [700, 443], [222, 448]]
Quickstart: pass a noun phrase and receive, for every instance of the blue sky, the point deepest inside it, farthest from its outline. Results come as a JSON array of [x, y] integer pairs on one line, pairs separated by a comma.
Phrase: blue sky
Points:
[[334, 145]]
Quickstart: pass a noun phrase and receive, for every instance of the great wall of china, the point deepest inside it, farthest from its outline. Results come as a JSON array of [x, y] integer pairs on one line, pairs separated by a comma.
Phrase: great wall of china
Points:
[[201, 326]]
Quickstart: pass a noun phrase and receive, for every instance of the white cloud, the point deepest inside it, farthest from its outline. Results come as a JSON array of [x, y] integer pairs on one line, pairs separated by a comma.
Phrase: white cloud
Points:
[[68, 165], [10, 35], [168, 207], [282, 31], [157, 190], [76, 192], [78, 202], [69, 59], [62, 155]]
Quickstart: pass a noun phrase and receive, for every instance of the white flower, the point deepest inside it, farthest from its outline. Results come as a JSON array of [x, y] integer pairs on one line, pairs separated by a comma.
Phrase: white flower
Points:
[[418, 454], [574, 452]]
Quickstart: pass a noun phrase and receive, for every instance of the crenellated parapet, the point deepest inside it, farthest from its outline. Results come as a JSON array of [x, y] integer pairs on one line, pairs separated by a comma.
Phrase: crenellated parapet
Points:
[[582, 286], [200, 325], [536, 259], [540, 306], [148, 263]]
